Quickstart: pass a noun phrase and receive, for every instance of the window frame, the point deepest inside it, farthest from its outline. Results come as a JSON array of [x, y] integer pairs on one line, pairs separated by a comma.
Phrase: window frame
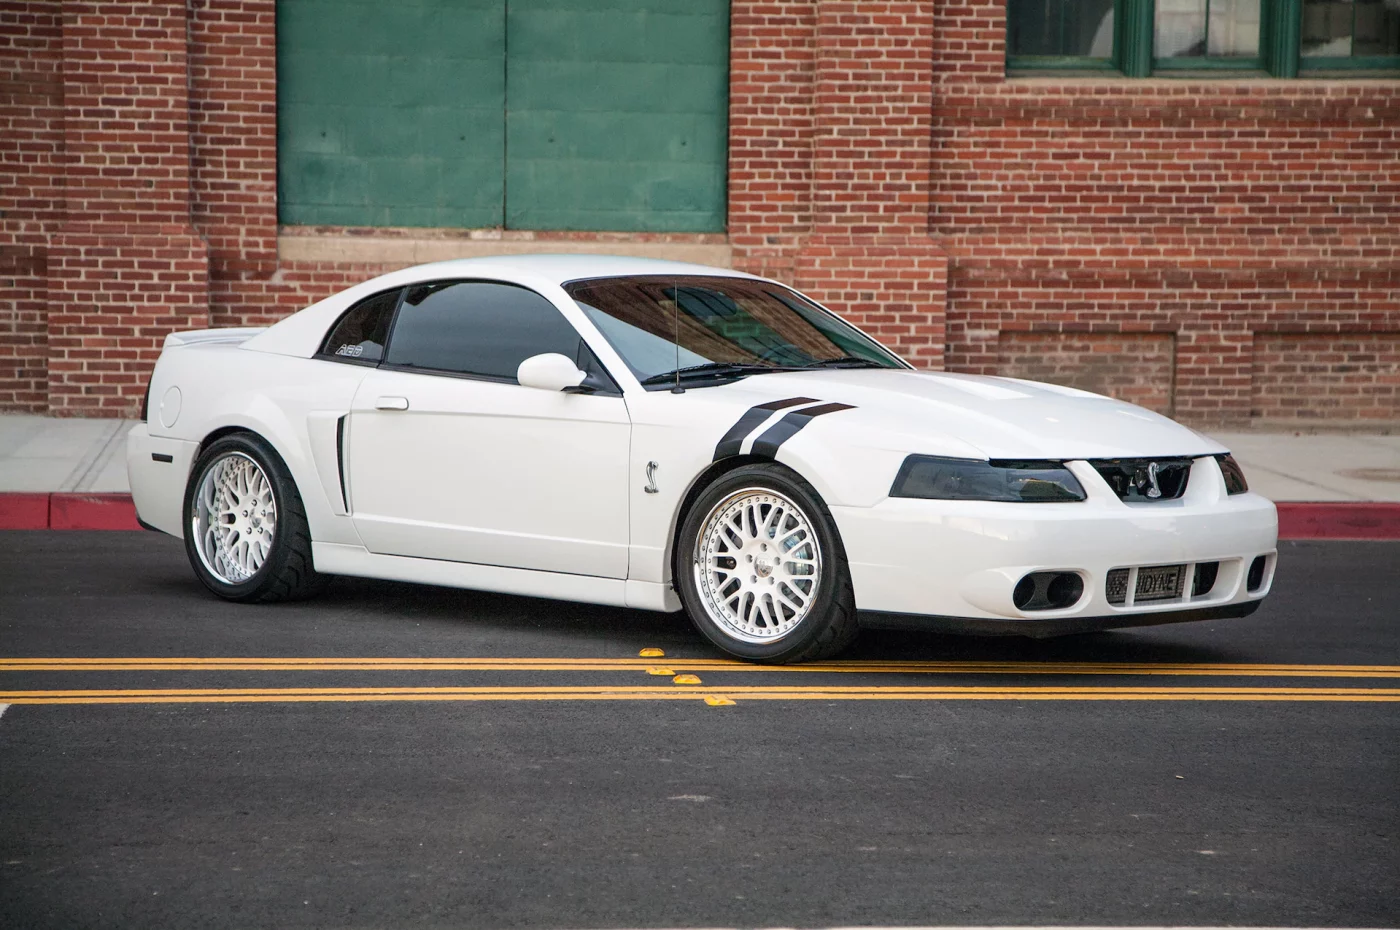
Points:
[[1134, 40], [608, 388]]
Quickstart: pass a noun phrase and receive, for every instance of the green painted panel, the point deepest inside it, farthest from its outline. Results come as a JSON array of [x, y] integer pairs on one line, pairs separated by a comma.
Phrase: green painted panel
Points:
[[535, 114], [617, 114], [391, 113]]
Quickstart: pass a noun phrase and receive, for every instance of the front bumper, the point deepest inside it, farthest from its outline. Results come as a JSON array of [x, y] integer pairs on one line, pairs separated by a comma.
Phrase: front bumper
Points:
[[1043, 629], [954, 564]]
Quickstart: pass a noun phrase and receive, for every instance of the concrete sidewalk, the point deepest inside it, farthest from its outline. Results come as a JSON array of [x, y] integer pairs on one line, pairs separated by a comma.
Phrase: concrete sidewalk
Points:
[[40, 454], [45, 454]]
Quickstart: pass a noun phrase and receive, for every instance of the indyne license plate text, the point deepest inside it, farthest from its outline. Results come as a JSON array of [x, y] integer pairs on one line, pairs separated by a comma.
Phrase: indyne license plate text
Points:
[[1157, 584]]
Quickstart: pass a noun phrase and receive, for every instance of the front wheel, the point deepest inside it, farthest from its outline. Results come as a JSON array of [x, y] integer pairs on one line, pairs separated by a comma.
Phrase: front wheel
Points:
[[245, 528], [761, 569]]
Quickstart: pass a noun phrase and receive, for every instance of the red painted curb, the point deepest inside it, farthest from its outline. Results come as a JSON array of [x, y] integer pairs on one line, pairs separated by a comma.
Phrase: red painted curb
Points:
[[24, 511], [92, 512], [1350, 520], [1296, 520]]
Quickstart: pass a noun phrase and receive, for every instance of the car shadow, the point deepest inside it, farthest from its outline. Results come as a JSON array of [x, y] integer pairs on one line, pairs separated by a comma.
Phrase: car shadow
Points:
[[505, 613]]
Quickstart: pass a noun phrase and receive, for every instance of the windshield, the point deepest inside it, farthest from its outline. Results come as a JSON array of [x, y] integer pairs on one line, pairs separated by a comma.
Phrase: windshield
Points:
[[719, 327]]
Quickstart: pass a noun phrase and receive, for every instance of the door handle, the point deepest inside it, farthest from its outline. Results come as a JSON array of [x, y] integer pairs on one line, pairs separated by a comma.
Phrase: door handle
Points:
[[391, 403]]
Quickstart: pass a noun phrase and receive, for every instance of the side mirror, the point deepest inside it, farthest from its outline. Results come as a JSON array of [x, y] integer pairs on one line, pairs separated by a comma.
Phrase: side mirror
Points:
[[549, 372]]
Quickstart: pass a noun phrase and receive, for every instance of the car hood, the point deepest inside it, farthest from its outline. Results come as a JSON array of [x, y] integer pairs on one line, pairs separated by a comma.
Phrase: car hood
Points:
[[975, 415]]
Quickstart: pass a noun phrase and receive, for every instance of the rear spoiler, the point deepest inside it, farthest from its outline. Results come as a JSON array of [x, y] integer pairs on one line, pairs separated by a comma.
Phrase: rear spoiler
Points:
[[227, 336]]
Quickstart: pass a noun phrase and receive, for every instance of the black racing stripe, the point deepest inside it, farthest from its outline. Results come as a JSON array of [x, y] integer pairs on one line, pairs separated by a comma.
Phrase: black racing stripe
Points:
[[780, 432], [734, 439]]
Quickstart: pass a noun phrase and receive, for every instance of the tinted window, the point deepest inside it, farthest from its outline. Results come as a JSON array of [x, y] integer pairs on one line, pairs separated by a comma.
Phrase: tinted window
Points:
[[362, 332], [478, 328]]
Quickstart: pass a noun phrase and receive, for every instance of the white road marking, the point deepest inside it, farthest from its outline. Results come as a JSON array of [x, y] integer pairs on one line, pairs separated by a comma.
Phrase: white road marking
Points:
[[3, 708]]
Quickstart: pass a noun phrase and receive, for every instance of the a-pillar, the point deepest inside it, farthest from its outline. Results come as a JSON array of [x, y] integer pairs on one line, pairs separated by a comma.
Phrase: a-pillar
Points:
[[126, 267]]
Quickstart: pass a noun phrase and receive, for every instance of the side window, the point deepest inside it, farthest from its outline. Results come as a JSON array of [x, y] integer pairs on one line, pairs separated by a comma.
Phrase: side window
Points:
[[477, 328], [361, 333]]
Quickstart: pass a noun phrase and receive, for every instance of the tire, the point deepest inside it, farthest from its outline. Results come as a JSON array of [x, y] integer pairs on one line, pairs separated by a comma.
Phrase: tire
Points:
[[772, 523], [245, 527]]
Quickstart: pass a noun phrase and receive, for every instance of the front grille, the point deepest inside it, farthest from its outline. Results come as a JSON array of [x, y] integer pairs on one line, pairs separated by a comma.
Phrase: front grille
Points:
[[1146, 481]]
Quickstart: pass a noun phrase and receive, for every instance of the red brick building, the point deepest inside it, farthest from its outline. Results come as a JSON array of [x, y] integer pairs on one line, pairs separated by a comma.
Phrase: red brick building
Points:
[[1222, 245]]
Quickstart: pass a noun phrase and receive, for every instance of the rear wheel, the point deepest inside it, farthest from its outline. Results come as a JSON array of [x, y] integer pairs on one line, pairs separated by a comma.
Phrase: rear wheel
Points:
[[761, 569], [245, 528]]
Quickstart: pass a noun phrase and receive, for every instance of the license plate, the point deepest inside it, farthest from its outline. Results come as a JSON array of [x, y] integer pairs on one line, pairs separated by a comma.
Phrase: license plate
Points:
[[1159, 584]]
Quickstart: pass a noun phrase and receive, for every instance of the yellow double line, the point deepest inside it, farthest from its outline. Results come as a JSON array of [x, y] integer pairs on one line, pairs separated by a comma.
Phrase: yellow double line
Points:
[[710, 693], [671, 693], [864, 667]]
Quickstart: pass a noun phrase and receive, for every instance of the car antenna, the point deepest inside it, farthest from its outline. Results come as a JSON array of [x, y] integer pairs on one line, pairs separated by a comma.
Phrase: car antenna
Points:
[[676, 303]]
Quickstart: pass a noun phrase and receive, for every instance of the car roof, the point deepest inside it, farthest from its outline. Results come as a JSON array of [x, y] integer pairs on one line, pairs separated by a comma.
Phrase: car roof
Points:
[[301, 333], [559, 268]]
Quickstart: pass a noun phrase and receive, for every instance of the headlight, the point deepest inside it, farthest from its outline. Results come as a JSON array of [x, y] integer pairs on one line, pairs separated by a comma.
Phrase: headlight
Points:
[[935, 477], [1234, 475]]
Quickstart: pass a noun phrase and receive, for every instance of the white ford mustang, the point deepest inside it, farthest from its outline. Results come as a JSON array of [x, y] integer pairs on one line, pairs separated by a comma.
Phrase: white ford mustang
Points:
[[670, 436]]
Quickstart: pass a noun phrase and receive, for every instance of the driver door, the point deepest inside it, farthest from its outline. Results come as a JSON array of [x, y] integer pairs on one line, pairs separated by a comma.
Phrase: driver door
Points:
[[450, 458]]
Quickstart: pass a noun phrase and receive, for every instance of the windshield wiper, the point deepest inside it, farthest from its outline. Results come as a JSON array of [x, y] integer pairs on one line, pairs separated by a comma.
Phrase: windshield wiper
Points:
[[845, 361], [714, 370]]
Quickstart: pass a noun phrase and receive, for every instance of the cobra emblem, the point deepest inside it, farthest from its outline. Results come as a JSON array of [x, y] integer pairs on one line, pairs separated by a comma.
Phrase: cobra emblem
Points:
[[1155, 491]]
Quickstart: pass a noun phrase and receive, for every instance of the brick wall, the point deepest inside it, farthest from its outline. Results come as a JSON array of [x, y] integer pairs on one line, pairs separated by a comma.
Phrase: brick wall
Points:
[[1322, 377], [1221, 212], [1137, 367], [1173, 242], [31, 146]]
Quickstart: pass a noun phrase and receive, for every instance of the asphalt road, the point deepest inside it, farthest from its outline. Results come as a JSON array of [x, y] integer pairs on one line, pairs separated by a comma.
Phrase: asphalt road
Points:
[[1188, 785]]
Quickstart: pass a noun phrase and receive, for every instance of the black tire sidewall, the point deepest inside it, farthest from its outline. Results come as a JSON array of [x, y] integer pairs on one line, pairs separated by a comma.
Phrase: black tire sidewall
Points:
[[271, 464], [810, 629]]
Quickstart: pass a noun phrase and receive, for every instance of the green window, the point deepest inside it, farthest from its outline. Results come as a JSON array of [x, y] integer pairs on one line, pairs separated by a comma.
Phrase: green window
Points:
[[1346, 34], [1201, 33], [523, 114], [1142, 37], [1055, 33]]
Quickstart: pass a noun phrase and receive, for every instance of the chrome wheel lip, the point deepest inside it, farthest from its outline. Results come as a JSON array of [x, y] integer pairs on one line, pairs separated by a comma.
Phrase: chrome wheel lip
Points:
[[233, 520], [776, 565]]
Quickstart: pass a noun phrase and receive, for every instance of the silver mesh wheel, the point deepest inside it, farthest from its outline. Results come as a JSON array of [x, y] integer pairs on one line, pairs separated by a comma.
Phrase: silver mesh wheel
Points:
[[757, 565], [234, 518]]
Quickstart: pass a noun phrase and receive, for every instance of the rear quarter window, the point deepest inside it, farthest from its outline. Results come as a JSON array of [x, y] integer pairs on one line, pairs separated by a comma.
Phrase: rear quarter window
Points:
[[361, 334]]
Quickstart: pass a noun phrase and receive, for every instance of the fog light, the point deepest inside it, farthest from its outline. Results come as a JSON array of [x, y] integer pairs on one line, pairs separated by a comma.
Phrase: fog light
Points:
[[1047, 591]]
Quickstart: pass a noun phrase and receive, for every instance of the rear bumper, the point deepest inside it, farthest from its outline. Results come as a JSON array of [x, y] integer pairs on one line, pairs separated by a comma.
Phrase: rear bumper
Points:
[[158, 469], [1042, 629]]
